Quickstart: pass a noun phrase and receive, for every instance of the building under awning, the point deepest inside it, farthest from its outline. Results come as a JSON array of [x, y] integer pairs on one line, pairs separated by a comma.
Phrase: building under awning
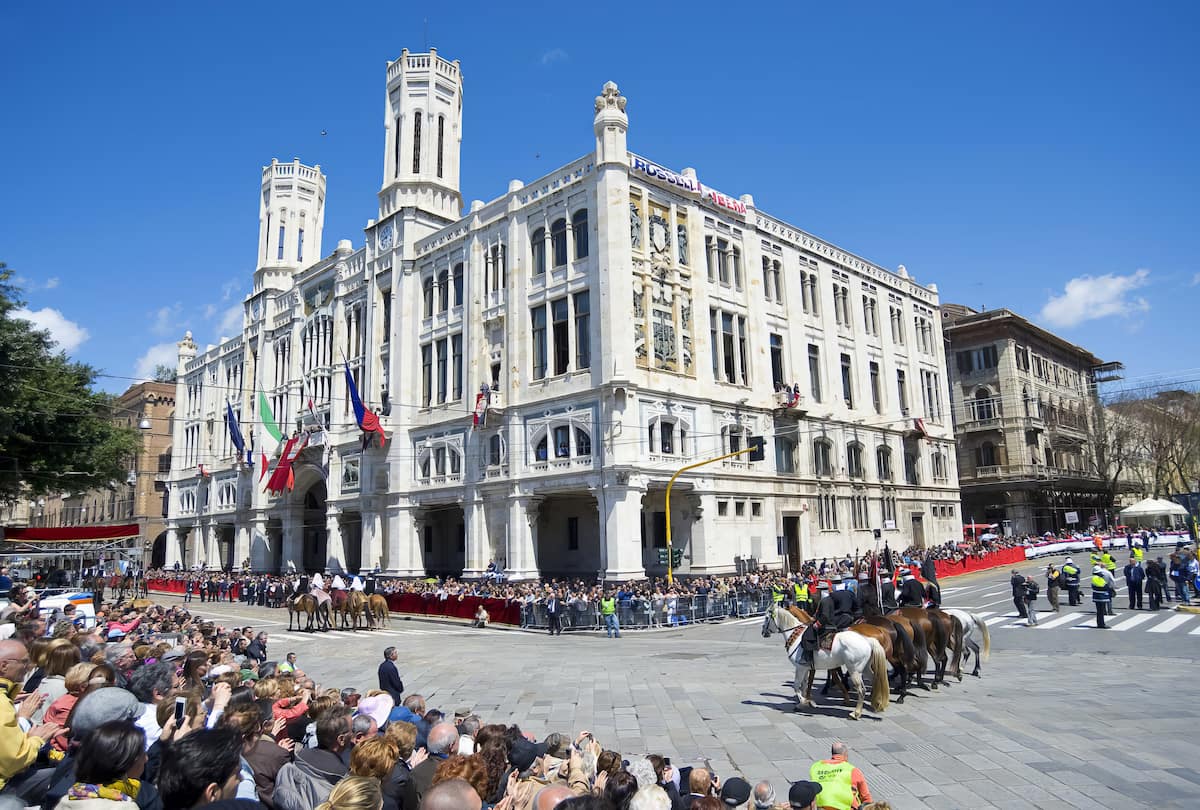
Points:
[[61, 543]]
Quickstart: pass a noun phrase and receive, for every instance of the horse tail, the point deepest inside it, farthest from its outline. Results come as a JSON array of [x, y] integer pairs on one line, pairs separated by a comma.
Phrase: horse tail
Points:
[[881, 693], [987, 636], [908, 652], [957, 633]]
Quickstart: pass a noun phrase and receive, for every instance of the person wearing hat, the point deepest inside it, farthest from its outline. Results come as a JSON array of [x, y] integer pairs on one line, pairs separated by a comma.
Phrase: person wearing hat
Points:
[[1018, 591], [1054, 582], [735, 792], [803, 795], [1070, 578], [1102, 594], [912, 594], [843, 786]]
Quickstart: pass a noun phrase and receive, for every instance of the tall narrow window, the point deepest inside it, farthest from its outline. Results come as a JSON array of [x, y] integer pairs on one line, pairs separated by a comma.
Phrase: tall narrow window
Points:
[[441, 142], [282, 233], [396, 156], [579, 233], [300, 245], [876, 396], [456, 367], [777, 359], [559, 320], [538, 319], [537, 243], [458, 284], [583, 346], [847, 381], [727, 347], [737, 268], [713, 342], [562, 441], [814, 370], [267, 238], [902, 390], [441, 371], [558, 241], [667, 437], [417, 142], [427, 292], [387, 316], [743, 366], [710, 258], [426, 374], [443, 290], [723, 261]]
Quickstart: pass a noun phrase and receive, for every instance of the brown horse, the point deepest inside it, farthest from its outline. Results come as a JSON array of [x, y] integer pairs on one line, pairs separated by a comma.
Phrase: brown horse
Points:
[[953, 630], [897, 646], [348, 608], [378, 614], [936, 638], [920, 659], [306, 603]]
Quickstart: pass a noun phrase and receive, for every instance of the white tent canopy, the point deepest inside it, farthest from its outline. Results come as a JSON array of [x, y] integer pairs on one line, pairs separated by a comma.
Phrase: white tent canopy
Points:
[[1152, 507]]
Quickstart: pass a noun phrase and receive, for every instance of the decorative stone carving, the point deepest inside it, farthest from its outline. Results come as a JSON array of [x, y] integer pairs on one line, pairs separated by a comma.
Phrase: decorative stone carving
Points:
[[610, 96]]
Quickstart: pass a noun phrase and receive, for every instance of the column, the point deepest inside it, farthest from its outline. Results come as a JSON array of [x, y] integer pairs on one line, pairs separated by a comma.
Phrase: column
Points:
[[260, 546], [403, 543], [212, 546], [620, 532], [474, 517], [241, 544], [372, 540], [293, 539], [173, 550], [335, 549], [521, 546]]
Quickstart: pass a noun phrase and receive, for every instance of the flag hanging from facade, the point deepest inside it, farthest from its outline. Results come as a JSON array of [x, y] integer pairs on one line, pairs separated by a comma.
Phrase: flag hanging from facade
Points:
[[267, 417], [919, 427], [263, 464], [235, 433], [482, 399], [368, 422], [283, 478]]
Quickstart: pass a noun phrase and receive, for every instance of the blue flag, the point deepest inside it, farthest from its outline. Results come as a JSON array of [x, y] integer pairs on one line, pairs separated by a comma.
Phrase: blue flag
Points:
[[235, 432]]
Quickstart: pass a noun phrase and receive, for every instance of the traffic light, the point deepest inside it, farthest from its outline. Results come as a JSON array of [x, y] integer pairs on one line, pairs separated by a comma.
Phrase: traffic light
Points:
[[676, 556], [757, 445]]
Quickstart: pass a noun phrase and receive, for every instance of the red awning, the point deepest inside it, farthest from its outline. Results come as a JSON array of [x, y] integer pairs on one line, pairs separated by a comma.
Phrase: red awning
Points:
[[72, 534]]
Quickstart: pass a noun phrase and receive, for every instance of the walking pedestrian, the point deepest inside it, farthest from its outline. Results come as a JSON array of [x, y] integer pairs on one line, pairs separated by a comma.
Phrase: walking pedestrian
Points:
[[1101, 595], [1053, 583], [1031, 594], [1135, 575], [1018, 592], [1070, 573]]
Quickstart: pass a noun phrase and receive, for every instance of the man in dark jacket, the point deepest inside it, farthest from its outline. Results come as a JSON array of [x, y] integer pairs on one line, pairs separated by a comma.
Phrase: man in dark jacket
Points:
[[389, 676], [1018, 592], [257, 649], [911, 592], [929, 570], [1135, 576]]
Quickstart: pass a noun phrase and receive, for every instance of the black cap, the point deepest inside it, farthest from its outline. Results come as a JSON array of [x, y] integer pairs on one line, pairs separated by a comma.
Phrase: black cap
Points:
[[524, 753], [735, 792], [803, 793]]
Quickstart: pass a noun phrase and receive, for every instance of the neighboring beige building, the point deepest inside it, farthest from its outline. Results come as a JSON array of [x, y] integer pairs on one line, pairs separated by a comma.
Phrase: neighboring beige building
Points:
[[1025, 410], [148, 407], [623, 320]]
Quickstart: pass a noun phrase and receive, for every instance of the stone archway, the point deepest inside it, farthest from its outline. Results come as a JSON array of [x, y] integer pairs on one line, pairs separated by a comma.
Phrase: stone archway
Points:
[[158, 551], [314, 537]]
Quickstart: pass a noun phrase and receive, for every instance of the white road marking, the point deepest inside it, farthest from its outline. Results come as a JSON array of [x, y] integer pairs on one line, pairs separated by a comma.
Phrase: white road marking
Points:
[[1171, 623], [998, 619], [1133, 621], [1069, 617]]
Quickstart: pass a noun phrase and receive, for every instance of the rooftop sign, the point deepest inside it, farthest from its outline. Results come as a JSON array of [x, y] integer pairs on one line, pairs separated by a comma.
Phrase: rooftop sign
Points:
[[690, 185]]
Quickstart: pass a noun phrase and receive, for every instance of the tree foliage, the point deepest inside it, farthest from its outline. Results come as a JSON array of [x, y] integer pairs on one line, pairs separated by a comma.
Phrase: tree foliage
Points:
[[56, 430], [1160, 438], [164, 373]]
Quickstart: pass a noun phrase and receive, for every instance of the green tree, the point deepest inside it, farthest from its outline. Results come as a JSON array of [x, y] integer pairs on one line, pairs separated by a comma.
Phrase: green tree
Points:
[[56, 430], [164, 373]]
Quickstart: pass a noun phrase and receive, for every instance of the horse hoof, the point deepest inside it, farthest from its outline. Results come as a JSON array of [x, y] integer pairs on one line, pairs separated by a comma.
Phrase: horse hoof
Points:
[[933, 686], [855, 715], [975, 675], [959, 676]]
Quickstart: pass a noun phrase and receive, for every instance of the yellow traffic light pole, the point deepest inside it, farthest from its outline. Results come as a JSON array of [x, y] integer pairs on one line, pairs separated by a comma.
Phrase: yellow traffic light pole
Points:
[[671, 483]]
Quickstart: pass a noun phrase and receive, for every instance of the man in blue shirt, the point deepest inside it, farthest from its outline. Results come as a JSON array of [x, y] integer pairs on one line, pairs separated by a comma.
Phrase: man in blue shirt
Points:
[[5, 583]]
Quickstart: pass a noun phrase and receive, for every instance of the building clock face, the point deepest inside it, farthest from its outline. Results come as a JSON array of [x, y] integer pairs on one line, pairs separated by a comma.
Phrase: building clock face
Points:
[[659, 234], [385, 237]]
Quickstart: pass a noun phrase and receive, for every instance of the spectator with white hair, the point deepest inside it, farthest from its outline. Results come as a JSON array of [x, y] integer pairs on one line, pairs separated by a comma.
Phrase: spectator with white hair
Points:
[[651, 797]]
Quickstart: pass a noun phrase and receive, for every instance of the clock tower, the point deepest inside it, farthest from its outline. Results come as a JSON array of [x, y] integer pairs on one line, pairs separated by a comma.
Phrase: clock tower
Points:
[[423, 119]]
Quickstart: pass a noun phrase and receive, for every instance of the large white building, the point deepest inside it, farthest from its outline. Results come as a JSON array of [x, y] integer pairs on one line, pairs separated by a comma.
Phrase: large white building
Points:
[[625, 319]]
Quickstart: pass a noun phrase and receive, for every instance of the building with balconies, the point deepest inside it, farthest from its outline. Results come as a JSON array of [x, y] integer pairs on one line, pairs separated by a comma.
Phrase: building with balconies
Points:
[[546, 361], [1026, 411]]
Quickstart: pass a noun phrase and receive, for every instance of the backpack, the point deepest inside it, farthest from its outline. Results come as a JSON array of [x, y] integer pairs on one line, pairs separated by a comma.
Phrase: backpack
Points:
[[1031, 590]]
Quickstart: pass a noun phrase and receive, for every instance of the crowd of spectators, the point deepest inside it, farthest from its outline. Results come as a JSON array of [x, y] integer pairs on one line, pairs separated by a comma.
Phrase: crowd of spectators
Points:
[[154, 707]]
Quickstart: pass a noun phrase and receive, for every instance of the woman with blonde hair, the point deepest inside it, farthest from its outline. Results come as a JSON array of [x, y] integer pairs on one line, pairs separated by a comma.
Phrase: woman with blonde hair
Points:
[[76, 682], [354, 793], [59, 657]]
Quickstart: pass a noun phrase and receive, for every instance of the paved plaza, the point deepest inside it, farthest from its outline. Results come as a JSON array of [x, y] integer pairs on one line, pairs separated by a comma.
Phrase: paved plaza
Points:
[[1064, 716]]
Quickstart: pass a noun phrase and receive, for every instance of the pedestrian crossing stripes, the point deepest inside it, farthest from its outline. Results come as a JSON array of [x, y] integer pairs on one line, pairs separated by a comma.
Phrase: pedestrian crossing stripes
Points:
[[284, 637], [1134, 622], [1125, 620], [1171, 623]]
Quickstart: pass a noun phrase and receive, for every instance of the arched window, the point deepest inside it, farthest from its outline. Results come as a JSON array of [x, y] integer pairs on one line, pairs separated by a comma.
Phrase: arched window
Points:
[[558, 241], [579, 233], [583, 442], [985, 455], [458, 284], [539, 451], [441, 136], [985, 406], [417, 142], [667, 436], [443, 289], [883, 462], [427, 291], [537, 243], [822, 457], [455, 463], [854, 460], [555, 441]]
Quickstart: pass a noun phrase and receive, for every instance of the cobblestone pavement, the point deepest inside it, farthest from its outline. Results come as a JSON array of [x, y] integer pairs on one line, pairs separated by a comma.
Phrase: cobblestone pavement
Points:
[[1064, 716]]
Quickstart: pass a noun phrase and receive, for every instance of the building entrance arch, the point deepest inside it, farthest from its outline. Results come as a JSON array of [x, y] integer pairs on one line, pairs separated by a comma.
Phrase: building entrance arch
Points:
[[314, 535]]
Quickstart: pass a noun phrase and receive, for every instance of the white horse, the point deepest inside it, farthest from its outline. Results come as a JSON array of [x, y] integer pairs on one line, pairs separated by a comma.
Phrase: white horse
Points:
[[852, 652], [975, 632]]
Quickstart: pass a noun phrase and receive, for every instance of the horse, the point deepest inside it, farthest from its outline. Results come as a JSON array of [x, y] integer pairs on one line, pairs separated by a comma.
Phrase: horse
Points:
[[935, 639], [377, 610], [348, 608], [893, 639], [916, 636], [954, 631], [973, 625], [306, 603], [852, 651]]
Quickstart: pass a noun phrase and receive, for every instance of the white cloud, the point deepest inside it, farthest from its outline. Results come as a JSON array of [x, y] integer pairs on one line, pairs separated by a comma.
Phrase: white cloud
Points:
[[165, 354], [229, 289], [66, 333], [51, 283], [1086, 298], [166, 319], [554, 55], [1196, 280], [231, 322], [209, 311]]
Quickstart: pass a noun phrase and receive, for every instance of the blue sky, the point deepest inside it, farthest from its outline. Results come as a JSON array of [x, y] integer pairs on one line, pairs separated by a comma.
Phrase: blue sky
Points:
[[1035, 156]]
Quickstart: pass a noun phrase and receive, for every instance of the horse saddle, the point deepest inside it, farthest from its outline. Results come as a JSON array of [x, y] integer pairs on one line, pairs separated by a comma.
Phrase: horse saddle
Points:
[[826, 641]]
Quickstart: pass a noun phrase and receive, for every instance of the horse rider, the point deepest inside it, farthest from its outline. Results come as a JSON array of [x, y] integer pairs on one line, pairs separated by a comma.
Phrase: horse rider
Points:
[[846, 602], [1070, 576], [338, 584], [829, 619], [911, 592], [369, 584], [356, 584], [933, 595]]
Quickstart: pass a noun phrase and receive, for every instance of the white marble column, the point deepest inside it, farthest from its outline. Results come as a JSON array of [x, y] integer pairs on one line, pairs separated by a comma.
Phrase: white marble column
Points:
[[474, 517], [260, 545], [621, 532], [521, 547], [335, 548], [403, 543], [292, 540], [173, 550], [241, 544], [372, 541]]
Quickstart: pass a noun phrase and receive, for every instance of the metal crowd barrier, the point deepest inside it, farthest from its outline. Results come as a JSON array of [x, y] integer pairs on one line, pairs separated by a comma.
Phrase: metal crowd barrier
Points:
[[641, 614]]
